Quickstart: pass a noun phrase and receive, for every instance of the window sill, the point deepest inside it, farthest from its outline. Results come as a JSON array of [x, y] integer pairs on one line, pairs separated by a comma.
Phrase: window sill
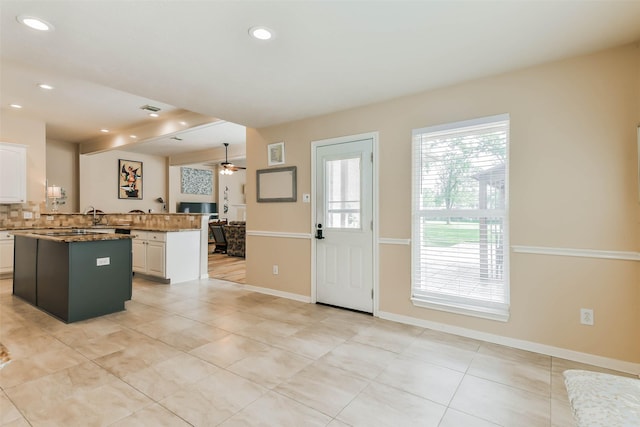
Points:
[[467, 310]]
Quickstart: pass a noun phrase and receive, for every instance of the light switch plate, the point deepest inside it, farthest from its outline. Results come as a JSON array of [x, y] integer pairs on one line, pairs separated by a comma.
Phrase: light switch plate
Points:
[[27, 215]]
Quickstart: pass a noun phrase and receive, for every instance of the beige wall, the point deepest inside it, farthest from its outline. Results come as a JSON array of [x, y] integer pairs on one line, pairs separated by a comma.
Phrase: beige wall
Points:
[[19, 130], [573, 177], [234, 184], [99, 181], [62, 170], [175, 186]]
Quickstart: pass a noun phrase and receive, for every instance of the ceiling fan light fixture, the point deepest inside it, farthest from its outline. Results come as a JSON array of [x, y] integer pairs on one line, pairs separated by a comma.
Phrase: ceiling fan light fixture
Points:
[[226, 167], [34, 23]]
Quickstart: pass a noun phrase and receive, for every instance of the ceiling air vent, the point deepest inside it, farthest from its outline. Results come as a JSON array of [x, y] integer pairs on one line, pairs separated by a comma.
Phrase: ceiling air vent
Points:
[[150, 108]]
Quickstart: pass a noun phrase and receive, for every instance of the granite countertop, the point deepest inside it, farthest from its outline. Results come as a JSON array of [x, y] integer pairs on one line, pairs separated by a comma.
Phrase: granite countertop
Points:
[[99, 227], [167, 229], [70, 236]]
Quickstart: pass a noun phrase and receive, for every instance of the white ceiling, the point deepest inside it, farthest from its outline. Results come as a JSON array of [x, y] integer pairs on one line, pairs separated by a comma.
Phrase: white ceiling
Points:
[[194, 139], [108, 58]]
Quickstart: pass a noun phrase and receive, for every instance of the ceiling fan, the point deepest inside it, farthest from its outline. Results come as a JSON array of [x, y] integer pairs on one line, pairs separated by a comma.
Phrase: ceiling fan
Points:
[[227, 168]]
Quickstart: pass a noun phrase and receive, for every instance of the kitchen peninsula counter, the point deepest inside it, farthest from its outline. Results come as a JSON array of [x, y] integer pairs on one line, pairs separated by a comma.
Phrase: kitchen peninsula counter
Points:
[[73, 274], [70, 235]]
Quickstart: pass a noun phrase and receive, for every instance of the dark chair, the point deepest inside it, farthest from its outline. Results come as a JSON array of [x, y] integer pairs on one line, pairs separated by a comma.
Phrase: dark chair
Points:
[[217, 232]]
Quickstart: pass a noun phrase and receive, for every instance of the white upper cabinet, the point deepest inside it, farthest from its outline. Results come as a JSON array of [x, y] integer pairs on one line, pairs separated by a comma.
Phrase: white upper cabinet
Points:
[[13, 173]]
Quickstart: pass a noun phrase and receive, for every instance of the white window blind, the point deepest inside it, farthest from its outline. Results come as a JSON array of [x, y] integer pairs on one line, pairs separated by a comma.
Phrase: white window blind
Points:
[[460, 213]]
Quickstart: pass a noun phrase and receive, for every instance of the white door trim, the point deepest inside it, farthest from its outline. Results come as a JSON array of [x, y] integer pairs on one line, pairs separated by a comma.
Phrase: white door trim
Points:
[[375, 273]]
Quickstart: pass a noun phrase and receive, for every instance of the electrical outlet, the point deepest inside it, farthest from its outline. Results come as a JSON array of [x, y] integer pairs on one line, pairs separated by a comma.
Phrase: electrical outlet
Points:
[[27, 215], [586, 316], [306, 198], [275, 268], [103, 261]]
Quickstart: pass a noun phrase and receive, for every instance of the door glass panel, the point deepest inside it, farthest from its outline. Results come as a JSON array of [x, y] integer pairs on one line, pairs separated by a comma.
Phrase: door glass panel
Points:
[[343, 192]]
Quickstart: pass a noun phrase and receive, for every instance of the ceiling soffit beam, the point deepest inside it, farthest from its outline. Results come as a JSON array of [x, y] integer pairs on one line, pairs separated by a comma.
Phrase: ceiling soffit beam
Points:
[[210, 155], [161, 128]]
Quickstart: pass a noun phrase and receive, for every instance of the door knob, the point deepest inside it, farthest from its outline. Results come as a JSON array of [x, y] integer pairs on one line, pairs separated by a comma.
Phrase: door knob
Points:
[[319, 235]]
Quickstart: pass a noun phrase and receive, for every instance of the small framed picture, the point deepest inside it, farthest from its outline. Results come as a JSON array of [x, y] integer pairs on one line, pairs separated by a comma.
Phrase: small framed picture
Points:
[[276, 153]]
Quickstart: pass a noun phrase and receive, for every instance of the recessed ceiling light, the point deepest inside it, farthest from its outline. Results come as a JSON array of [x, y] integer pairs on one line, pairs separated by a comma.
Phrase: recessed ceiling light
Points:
[[154, 115], [260, 33], [45, 86], [183, 123], [16, 106], [104, 130], [133, 136], [35, 23]]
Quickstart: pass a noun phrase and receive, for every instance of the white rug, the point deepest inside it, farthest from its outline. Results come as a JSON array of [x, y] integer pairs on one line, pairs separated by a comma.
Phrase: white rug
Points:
[[599, 399]]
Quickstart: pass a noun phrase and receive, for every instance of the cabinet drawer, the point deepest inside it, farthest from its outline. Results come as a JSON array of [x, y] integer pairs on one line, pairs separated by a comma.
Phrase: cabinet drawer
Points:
[[139, 235], [153, 236]]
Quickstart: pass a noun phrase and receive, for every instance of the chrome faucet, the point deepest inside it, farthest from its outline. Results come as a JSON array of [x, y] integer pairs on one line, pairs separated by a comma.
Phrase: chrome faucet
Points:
[[92, 209]]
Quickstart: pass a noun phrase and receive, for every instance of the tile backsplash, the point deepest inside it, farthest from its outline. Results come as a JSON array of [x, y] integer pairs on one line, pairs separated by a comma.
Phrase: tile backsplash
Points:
[[28, 215]]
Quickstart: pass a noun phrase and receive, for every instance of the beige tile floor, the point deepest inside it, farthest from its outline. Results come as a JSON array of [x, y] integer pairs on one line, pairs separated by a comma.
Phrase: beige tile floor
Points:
[[209, 353]]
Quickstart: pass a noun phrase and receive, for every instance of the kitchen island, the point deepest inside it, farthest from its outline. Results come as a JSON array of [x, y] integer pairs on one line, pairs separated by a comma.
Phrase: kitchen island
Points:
[[73, 274]]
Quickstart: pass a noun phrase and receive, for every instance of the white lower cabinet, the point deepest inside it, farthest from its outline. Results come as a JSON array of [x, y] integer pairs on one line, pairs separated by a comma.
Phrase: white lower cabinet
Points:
[[6, 253], [156, 259], [149, 253], [173, 256]]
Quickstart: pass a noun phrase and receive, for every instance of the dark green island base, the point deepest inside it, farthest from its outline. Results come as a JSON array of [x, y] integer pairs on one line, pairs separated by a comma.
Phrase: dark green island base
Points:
[[73, 280]]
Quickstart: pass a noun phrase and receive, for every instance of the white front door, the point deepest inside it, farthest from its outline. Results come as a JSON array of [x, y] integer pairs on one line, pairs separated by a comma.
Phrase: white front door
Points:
[[344, 224]]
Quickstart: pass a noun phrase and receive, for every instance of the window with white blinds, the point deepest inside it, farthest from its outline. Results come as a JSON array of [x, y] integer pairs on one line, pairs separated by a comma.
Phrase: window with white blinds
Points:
[[460, 213]]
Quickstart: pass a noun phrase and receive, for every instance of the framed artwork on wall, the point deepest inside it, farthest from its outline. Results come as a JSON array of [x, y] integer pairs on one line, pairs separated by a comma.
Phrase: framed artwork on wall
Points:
[[130, 179], [276, 153], [276, 185], [196, 181]]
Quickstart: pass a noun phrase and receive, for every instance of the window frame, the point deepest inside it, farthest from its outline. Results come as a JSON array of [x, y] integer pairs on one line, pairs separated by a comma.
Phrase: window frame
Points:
[[456, 304]]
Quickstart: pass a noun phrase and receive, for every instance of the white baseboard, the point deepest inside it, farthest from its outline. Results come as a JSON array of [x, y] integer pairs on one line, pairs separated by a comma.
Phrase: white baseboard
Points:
[[576, 356], [276, 293]]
